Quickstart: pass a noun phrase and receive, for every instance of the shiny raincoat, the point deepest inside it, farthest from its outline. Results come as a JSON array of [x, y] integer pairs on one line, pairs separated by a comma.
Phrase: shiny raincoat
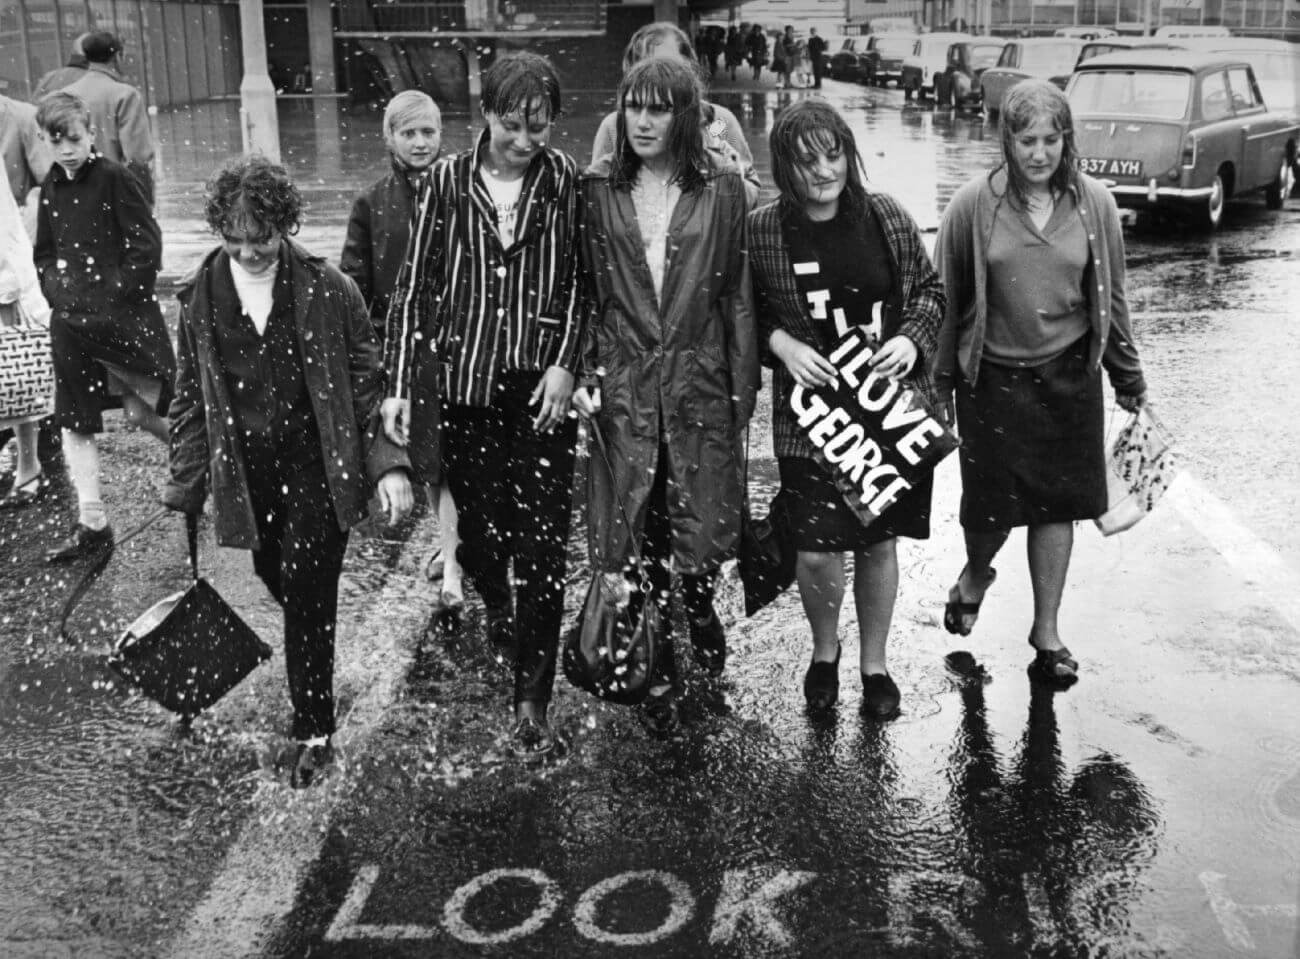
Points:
[[682, 377]]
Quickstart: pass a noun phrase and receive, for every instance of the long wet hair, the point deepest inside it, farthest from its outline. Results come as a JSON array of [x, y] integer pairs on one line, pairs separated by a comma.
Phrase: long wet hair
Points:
[[674, 82], [1025, 104], [253, 192], [814, 124]]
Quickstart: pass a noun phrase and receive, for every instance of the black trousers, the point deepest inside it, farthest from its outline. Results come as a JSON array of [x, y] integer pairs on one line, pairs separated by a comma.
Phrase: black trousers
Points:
[[513, 488], [300, 560], [657, 551]]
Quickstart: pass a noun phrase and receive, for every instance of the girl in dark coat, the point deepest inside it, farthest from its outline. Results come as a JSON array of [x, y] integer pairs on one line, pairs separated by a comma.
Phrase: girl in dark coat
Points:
[[98, 250], [671, 357], [277, 404], [827, 255]]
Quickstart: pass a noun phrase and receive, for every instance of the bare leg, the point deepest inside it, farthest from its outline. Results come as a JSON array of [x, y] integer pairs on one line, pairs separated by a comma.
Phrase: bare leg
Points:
[[875, 587], [449, 529], [977, 575], [141, 414], [1049, 549], [29, 466], [821, 587]]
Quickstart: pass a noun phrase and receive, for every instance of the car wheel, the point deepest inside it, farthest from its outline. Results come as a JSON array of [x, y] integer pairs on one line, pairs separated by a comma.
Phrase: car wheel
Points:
[[1275, 193], [1210, 214]]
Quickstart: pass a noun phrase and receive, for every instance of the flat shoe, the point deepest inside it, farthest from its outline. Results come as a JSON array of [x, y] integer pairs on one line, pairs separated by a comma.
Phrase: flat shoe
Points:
[[821, 684], [957, 609], [1054, 666], [26, 494], [310, 764], [531, 739], [83, 542], [880, 696], [709, 642]]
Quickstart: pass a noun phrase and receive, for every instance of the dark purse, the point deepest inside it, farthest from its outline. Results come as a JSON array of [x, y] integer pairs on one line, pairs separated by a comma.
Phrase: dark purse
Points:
[[767, 554], [610, 651], [190, 649]]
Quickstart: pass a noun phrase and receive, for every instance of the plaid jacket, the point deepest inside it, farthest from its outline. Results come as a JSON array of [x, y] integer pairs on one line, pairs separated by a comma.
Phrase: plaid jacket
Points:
[[915, 308]]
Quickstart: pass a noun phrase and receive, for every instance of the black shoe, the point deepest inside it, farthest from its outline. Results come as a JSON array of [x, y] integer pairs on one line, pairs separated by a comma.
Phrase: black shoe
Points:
[[310, 764], [880, 696], [531, 739], [659, 712], [821, 684], [83, 542], [709, 640], [502, 644]]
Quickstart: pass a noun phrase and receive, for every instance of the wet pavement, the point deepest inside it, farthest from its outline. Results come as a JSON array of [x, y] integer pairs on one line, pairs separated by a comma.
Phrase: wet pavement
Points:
[[1152, 810]]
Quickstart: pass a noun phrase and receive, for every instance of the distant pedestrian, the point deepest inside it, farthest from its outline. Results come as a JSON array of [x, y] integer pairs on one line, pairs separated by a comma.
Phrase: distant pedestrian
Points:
[[816, 57], [488, 317], [25, 155], [1032, 255], [671, 367], [734, 51], [117, 110], [22, 308], [276, 411], [756, 48], [60, 77], [98, 250], [830, 254], [723, 135], [787, 48]]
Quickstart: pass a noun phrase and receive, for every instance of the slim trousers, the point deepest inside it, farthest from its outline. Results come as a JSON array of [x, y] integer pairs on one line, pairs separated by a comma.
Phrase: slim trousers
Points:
[[514, 492]]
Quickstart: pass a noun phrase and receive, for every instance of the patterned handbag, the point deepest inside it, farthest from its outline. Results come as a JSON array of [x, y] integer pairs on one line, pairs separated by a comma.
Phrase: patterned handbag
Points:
[[1141, 465], [26, 369]]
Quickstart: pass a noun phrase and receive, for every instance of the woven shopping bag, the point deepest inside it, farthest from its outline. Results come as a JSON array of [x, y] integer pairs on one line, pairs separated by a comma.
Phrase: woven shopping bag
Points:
[[26, 369]]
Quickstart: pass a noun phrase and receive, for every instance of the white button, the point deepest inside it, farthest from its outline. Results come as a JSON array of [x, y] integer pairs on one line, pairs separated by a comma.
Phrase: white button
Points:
[[501, 271], [501, 312]]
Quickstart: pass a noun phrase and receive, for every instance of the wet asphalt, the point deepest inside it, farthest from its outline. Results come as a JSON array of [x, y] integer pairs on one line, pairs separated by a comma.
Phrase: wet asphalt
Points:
[[1151, 810]]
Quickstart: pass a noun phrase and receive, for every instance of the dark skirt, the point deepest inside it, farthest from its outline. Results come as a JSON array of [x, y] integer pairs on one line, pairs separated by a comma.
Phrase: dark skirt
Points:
[[1032, 444], [823, 522]]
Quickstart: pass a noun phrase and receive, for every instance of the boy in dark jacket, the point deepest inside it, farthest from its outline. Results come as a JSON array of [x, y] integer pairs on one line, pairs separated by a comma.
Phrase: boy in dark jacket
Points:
[[277, 402], [378, 231], [98, 250]]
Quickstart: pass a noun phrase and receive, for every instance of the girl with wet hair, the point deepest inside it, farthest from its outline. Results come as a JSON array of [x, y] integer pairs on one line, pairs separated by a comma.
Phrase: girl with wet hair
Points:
[[829, 255], [722, 133], [276, 409], [1032, 255], [670, 370]]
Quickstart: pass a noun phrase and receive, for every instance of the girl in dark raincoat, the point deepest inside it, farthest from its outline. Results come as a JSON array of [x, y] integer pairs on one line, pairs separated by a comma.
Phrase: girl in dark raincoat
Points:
[[671, 358], [98, 250]]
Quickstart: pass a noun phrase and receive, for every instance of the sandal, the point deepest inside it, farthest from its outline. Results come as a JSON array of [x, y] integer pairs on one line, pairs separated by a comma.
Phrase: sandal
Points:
[[26, 494], [1055, 666], [956, 609]]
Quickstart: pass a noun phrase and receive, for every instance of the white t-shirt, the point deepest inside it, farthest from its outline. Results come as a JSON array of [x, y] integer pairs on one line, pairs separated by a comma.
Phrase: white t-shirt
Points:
[[255, 293], [505, 197], [654, 201]]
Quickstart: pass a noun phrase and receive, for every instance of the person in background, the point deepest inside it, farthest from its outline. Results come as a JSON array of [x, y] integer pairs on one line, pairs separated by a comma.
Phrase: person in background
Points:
[[756, 48], [60, 77], [723, 135], [1032, 256], [816, 56], [98, 250], [734, 51], [22, 305], [25, 155], [670, 369], [276, 411], [488, 316], [828, 254], [787, 49], [117, 110], [379, 229]]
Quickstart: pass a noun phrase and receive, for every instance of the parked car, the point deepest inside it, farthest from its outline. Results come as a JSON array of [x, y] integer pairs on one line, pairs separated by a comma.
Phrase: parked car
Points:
[[1104, 45], [929, 58], [885, 54], [1180, 130], [849, 62], [968, 59], [1051, 58], [1085, 32]]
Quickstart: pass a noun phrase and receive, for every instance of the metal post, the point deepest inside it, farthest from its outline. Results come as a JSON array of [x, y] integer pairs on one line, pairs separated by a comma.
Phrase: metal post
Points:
[[257, 117]]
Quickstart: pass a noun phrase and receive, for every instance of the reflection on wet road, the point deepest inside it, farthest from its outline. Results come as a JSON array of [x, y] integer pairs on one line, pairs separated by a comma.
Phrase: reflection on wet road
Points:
[[1153, 810]]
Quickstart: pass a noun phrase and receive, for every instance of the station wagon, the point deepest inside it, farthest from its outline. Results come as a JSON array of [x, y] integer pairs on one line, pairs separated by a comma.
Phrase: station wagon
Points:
[[1178, 130], [1051, 58]]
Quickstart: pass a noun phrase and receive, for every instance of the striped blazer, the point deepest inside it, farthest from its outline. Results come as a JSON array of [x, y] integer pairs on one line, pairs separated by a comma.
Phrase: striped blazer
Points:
[[914, 309], [474, 307]]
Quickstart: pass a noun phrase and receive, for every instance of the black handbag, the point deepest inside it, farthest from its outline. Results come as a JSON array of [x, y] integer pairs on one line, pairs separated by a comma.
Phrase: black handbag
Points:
[[610, 652], [767, 554], [190, 649]]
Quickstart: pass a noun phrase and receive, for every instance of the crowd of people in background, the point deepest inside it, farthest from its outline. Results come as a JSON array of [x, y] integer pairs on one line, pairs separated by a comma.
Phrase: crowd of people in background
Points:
[[488, 301]]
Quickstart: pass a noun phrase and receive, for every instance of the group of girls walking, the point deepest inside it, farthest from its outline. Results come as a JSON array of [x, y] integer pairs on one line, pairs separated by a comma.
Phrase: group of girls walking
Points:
[[643, 293]]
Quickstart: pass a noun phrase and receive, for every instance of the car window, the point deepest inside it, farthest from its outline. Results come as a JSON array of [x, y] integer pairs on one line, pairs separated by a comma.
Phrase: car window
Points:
[[1008, 56], [1048, 58], [1215, 103], [1243, 91], [896, 47], [1141, 93], [985, 55]]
